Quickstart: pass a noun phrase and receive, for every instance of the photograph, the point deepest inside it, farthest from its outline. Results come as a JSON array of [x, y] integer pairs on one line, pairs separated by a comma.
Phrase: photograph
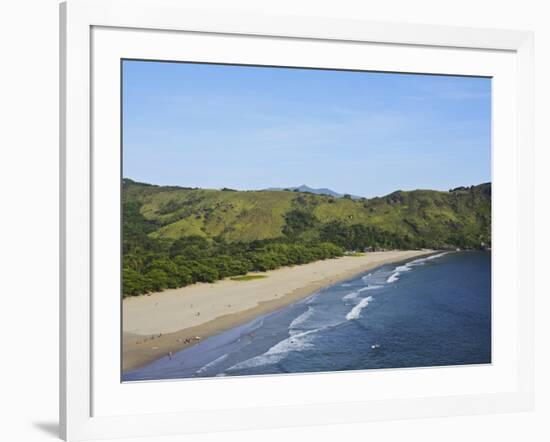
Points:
[[275, 221], [278, 220]]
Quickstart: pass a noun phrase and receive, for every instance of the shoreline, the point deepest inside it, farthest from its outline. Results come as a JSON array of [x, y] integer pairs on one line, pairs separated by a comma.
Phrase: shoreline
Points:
[[175, 319]]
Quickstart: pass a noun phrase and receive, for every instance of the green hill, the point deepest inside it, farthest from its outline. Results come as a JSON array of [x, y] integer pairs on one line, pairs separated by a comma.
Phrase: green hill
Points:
[[461, 217], [168, 223]]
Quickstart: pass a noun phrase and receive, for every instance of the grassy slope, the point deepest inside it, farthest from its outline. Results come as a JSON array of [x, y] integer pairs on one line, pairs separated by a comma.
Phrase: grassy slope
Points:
[[250, 215]]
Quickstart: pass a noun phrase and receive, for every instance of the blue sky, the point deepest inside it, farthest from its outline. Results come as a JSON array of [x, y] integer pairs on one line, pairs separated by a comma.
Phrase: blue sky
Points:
[[245, 127]]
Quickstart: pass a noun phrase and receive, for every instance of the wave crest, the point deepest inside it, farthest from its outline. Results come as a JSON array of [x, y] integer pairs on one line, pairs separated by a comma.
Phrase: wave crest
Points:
[[355, 312]]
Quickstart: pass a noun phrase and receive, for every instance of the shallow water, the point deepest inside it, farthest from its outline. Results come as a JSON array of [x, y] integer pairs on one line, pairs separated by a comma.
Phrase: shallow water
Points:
[[424, 312]]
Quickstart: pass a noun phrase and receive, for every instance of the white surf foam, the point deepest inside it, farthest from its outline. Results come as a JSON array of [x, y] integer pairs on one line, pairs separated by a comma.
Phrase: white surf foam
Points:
[[301, 319], [409, 266], [404, 268], [397, 271], [296, 342], [370, 287], [355, 294], [351, 295], [211, 364], [355, 312], [393, 277], [436, 256], [366, 277], [421, 261]]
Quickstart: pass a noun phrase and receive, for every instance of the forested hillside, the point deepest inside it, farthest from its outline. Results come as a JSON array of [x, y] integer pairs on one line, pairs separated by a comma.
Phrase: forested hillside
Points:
[[174, 236]]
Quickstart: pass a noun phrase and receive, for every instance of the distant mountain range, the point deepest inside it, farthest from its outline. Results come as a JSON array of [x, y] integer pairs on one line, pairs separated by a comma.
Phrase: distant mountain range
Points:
[[322, 191]]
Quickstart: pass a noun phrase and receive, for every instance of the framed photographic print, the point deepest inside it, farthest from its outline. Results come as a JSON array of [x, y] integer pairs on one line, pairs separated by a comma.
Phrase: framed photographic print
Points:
[[327, 221]]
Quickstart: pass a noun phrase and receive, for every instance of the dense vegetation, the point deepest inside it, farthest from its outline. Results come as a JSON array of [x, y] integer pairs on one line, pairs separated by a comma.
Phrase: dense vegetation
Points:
[[175, 236]]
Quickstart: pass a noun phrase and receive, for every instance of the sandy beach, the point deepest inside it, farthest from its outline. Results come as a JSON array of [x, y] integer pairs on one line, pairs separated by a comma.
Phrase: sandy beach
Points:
[[155, 325]]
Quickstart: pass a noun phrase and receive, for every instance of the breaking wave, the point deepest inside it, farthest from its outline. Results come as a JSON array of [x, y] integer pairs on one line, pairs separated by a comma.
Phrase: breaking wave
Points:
[[393, 277], [211, 364], [409, 266], [301, 319], [296, 342], [366, 277], [355, 294], [355, 312]]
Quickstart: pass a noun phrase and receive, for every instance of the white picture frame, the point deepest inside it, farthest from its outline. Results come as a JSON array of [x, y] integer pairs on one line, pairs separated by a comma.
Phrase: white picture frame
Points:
[[94, 34]]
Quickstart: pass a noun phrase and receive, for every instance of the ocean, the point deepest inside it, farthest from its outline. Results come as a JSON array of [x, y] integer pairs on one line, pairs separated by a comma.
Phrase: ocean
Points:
[[425, 312]]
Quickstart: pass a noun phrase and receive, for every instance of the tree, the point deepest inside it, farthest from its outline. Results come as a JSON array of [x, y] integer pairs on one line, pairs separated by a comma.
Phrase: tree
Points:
[[156, 280], [297, 221], [192, 247]]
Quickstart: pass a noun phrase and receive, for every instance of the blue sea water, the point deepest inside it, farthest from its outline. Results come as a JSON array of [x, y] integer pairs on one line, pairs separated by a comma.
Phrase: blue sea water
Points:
[[431, 311]]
